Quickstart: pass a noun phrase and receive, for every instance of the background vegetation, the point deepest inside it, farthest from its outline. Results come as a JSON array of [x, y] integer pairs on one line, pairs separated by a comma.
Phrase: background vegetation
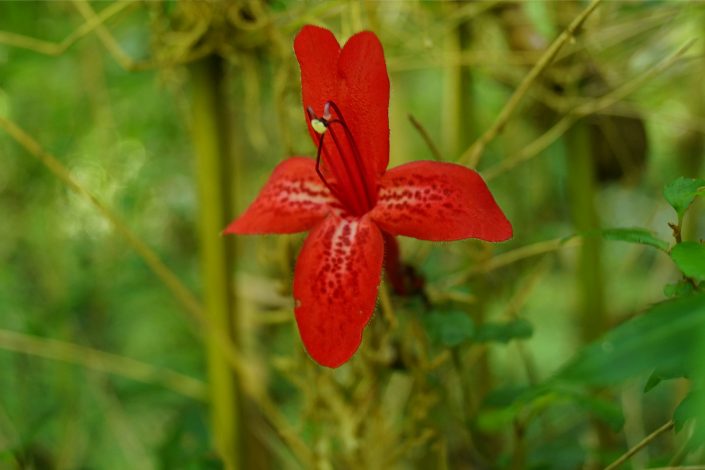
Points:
[[133, 336]]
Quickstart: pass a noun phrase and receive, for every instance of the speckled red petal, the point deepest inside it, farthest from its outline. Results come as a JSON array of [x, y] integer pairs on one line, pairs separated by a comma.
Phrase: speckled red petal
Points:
[[293, 200], [317, 51], [355, 78], [363, 95], [439, 202], [335, 286]]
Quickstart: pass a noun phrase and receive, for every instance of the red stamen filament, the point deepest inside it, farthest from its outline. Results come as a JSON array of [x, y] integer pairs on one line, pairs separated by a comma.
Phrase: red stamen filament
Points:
[[351, 184]]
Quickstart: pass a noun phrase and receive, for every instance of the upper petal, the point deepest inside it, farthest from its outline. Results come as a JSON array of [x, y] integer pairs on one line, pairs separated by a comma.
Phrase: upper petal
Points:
[[440, 202], [356, 79], [317, 51], [363, 96], [335, 286], [293, 200]]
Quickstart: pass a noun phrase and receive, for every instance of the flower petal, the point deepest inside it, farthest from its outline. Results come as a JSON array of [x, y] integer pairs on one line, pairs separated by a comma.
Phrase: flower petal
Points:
[[335, 286], [317, 51], [356, 79], [293, 200], [363, 96], [440, 202]]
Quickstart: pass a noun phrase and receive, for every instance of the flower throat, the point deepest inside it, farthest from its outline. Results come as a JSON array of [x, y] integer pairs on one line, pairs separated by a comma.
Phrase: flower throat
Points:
[[339, 163]]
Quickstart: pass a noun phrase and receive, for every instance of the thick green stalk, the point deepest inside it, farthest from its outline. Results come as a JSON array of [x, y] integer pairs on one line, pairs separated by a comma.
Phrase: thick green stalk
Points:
[[211, 133], [582, 190], [466, 131], [459, 126], [591, 310], [459, 131], [692, 150]]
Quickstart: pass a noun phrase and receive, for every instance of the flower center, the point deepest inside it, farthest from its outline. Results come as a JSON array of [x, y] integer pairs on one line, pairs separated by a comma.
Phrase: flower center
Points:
[[339, 163]]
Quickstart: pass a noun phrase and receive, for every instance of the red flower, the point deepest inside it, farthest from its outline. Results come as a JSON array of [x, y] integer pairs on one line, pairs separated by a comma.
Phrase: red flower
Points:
[[347, 198]]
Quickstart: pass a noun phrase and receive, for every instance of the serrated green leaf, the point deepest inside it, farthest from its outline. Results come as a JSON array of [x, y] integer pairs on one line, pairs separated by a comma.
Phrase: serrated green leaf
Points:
[[662, 338], [504, 332], [690, 259], [449, 329], [681, 193], [635, 235]]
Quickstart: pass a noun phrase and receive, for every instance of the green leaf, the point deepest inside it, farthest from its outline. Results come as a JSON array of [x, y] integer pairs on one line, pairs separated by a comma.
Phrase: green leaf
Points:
[[504, 332], [678, 289], [690, 259], [662, 338], [502, 406], [449, 329], [659, 375], [681, 192], [607, 411], [691, 409], [687, 409], [635, 235], [453, 328]]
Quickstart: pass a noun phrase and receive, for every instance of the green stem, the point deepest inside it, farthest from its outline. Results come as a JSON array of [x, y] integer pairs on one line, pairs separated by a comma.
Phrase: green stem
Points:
[[582, 190], [459, 124], [210, 135], [156, 265], [459, 130], [100, 361], [692, 151], [592, 314]]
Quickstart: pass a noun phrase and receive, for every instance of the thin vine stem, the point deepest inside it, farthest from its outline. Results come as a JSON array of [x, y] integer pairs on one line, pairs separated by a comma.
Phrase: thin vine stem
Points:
[[161, 270], [102, 361], [52, 48], [509, 257], [172, 282], [644, 442], [471, 157], [387, 308], [435, 153], [586, 109], [122, 58]]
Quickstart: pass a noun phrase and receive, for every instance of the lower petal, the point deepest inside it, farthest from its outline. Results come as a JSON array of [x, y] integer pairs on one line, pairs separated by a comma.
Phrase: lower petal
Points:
[[439, 202], [335, 286]]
